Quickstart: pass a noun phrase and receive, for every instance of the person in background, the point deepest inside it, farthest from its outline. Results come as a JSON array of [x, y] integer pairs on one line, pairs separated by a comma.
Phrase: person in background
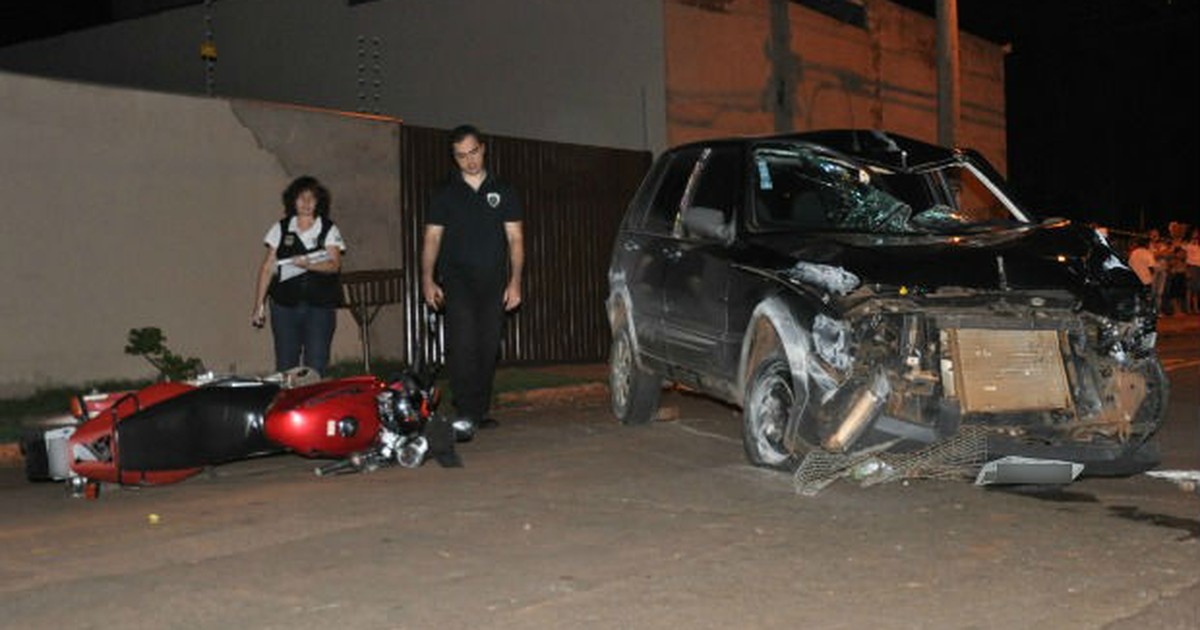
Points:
[[1162, 254], [1175, 288], [471, 262], [1191, 250], [1141, 260], [300, 274]]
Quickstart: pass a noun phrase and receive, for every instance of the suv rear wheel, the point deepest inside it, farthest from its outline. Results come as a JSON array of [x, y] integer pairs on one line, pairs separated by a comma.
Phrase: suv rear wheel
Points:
[[634, 392]]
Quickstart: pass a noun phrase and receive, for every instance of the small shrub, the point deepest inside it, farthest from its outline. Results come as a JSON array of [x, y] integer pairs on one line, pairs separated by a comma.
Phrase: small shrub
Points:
[[150, 344]]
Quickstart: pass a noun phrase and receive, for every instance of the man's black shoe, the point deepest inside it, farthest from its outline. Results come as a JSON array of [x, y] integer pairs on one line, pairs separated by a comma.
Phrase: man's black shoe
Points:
[[489, 423], [464, 429]]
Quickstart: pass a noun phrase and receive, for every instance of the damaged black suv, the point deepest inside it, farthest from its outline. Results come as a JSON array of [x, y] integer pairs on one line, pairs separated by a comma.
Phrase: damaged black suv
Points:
[[858, 289]]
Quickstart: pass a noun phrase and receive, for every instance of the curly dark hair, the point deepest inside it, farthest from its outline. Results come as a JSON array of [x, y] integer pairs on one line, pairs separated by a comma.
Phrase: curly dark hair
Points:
[[306, 183]]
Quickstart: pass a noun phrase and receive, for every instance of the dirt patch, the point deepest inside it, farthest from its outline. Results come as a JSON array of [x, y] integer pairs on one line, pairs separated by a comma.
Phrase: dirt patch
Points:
[[10, 456], [568, 394]]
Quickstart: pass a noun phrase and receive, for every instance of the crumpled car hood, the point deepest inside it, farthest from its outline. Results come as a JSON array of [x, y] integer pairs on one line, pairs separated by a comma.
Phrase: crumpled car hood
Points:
[[1054, 256]]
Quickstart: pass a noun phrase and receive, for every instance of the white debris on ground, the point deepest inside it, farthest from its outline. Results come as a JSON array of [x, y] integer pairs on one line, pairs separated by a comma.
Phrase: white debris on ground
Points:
[[1187, 480]]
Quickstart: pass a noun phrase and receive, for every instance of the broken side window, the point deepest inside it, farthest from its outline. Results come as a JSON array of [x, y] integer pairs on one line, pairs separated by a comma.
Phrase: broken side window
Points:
[[663, 211], [636, 215], [974, 201], [720, 183]]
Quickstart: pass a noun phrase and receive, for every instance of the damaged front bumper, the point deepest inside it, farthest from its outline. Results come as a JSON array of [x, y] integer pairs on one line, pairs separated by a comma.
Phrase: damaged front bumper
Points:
[[1039, 376]]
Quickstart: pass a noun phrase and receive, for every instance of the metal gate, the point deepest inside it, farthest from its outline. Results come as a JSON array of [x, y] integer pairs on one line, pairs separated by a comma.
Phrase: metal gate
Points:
[[574, 197]]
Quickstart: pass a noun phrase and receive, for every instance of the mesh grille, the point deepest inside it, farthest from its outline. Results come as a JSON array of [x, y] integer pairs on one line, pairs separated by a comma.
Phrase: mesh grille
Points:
[[958, 457]]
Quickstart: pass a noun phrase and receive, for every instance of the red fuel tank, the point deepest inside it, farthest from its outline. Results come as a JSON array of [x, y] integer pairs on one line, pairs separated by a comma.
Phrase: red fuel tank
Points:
[[327, 419]]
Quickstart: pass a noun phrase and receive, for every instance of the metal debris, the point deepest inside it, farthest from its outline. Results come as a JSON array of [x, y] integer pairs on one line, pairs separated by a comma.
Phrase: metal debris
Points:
[[957, 457], [833, 279], [1027, 470], [821, 468]]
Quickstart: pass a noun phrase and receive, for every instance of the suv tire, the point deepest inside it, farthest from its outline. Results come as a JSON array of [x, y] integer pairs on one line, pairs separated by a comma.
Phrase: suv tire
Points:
[[770, 397], [634, 391]]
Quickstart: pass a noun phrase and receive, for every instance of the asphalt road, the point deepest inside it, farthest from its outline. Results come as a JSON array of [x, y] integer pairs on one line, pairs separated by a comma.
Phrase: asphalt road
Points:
[[563, 519]]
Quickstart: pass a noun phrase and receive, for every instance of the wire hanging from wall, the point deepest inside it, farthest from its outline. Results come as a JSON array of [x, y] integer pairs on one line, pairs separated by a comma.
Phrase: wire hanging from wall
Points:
[[208, 50], [370, 74]]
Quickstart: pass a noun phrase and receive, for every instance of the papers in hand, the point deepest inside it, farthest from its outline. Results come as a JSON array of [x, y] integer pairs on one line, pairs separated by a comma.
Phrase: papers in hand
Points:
[[314, 257], [288, 268]]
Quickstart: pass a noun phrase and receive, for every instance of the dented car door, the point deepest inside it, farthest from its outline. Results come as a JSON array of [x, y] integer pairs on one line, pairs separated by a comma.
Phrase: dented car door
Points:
[[642, 252], [696, 325]]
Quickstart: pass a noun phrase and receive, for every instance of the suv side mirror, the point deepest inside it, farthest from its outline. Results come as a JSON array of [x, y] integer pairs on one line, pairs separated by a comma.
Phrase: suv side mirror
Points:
[[707, 223]]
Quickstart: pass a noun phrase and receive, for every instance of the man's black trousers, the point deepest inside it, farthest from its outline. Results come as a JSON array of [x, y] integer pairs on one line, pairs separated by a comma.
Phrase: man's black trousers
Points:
[[474, 317]]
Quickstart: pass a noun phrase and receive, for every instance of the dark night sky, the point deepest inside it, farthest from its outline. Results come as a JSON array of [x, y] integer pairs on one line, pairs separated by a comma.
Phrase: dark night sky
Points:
[[1102, 96], [1102, 105]]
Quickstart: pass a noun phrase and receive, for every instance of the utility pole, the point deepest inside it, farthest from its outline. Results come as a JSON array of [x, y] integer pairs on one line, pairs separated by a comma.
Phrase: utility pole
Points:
[[947, 72], [782, 91]]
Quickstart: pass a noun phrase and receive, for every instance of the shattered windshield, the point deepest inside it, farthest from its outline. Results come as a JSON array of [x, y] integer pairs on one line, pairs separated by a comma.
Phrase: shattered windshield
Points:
[[799, 188]]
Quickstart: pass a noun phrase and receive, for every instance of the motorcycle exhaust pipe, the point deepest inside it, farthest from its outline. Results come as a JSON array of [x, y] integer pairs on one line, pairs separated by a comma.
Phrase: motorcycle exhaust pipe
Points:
[[340, 466], [864, 407]]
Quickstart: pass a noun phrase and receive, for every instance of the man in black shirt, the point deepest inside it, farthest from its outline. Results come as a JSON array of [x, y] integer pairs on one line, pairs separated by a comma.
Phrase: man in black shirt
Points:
[[471, 264]]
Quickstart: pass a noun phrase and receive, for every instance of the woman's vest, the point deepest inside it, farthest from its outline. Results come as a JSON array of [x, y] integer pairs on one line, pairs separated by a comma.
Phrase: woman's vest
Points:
[[311, 287]]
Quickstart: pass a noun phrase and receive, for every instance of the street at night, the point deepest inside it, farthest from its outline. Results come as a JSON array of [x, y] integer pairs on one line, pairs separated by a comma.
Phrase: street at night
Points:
[[846, 258], [564, 518]]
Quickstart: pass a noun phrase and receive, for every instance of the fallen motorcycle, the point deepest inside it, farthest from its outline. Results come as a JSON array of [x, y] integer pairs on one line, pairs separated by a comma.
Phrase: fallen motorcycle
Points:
[[366, 422], [167, 432]]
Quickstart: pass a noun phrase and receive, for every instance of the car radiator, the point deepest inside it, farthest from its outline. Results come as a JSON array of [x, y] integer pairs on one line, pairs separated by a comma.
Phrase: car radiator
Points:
[[1006, 370]]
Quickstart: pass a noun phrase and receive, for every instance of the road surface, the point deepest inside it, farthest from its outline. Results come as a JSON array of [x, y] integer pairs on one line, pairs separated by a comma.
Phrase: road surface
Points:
[[563, 519]]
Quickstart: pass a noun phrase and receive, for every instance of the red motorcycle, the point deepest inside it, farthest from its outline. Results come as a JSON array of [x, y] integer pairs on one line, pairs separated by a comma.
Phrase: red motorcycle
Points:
[[168, 432], [368, 423]]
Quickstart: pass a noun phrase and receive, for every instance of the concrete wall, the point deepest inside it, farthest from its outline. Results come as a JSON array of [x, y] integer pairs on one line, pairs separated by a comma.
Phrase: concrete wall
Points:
[[126, 208], [723, 77], [577, 71]]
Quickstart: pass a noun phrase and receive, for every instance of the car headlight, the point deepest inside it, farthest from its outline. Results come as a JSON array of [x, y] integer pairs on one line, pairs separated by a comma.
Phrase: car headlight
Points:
[[831, 342]]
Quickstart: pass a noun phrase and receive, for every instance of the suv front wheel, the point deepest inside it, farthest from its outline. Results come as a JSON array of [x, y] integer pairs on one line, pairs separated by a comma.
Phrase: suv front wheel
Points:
[[770, 398], [634, 391]]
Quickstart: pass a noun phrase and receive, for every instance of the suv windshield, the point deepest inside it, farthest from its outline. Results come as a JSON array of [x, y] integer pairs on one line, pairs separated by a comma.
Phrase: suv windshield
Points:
[[800, 188]]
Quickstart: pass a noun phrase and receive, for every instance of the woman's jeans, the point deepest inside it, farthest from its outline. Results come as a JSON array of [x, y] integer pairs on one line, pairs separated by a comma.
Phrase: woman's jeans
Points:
[[302, 329]]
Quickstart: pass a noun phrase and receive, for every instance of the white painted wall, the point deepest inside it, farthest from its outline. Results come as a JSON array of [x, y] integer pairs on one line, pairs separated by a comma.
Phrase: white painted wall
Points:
[[123, 209]]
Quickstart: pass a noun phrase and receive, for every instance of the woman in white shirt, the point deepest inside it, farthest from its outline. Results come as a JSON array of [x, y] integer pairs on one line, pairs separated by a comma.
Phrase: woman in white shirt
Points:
[[300, 274]]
